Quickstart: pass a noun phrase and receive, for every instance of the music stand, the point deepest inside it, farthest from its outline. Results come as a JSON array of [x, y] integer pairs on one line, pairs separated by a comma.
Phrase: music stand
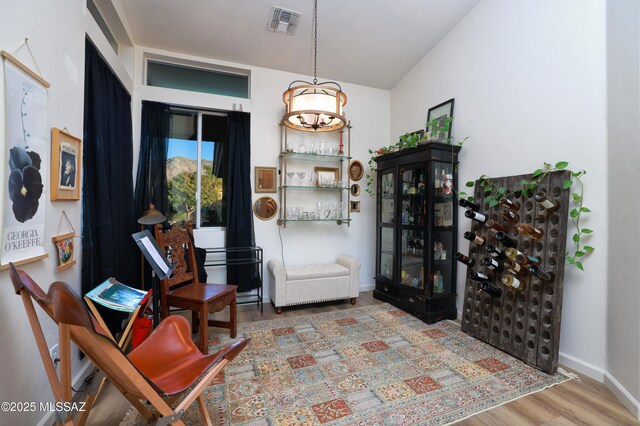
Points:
[[158, 261]]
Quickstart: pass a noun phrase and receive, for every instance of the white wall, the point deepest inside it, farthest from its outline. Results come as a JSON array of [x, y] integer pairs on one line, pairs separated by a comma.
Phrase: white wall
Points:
[[623, 320], [529, 82], [368, 110], [56, 32]]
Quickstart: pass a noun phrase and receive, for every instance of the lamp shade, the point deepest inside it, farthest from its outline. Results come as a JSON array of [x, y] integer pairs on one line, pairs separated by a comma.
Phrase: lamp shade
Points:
[[314, 107], [151, 216]]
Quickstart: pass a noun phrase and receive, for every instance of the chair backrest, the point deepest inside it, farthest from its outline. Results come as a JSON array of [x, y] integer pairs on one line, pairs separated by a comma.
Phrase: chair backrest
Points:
[[178, 246], [66, 308]]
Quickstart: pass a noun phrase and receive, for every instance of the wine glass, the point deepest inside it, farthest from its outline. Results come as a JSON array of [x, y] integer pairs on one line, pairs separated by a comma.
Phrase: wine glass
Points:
[[290, 176], [334, 210], [301, 176]]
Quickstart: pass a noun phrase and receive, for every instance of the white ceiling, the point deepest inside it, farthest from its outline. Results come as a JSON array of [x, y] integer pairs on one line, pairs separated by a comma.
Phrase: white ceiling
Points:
[[368, 42]]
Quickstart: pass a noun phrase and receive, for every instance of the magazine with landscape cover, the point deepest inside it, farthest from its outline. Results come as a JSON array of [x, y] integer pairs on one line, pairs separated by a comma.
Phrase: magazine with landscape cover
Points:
[[115, 295]]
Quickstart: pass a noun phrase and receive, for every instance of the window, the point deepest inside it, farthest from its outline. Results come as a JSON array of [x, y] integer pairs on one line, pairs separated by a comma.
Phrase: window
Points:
[[196, 165], [173, 76]]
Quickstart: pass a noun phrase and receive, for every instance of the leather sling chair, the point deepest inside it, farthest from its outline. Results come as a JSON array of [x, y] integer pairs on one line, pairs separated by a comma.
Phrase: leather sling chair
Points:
[[163, 367]]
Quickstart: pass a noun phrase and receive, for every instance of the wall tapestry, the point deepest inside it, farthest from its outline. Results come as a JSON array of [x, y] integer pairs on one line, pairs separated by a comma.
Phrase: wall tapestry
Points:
[[27, 151]]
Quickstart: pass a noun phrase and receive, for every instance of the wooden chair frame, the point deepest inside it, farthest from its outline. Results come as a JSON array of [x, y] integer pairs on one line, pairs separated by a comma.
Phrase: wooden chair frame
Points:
[[76, 324], [184, 289]]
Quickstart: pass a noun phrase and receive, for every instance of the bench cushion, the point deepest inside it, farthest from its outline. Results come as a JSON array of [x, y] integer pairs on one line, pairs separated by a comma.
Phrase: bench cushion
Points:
[[306, 272]]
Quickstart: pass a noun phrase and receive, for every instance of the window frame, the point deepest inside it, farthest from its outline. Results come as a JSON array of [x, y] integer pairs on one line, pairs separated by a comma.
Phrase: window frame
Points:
[[199, 114]]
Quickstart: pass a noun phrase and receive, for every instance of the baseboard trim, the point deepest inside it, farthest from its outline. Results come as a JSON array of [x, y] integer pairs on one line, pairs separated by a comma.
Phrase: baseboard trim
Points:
[[596, 373], [369, 287], [630, 403], [78, 379]]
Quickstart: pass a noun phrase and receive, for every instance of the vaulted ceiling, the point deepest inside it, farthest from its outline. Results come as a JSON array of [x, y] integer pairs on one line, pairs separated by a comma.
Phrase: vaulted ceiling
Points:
[[368, 42]]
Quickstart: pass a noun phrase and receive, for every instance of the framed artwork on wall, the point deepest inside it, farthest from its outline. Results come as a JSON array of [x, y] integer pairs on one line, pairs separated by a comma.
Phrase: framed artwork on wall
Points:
[[440, 112], [66, 165], [265, 179]]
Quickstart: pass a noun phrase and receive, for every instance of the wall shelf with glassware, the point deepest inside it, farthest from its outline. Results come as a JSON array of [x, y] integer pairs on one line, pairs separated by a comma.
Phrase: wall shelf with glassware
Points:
[[416, 233], [314, 176]]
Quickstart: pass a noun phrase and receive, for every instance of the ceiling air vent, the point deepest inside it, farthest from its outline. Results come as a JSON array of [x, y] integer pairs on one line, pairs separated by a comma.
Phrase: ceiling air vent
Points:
[[283, 21]]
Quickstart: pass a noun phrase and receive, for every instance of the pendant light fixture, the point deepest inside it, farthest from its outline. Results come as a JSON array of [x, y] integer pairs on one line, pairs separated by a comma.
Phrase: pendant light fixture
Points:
[[314, 107]]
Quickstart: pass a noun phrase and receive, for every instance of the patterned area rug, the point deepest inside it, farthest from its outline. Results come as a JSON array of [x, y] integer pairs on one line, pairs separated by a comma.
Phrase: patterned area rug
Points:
[[375, 365]]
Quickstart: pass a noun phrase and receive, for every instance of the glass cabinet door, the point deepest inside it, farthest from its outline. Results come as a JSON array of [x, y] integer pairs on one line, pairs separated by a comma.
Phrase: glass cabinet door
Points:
[[412, 265], [387, 190], [386, 253], [442, 242], [414, 201]]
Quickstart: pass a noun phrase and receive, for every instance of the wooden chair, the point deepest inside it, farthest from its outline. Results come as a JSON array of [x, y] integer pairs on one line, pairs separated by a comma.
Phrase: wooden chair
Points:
[[166, 365], [184, 289]]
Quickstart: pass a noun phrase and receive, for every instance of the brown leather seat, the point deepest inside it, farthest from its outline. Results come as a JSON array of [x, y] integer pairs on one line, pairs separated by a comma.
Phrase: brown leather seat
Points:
[[184, 289], [166, 364]]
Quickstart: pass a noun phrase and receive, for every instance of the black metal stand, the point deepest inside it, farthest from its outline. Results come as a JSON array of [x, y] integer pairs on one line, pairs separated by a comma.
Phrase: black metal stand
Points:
[[253, 256]]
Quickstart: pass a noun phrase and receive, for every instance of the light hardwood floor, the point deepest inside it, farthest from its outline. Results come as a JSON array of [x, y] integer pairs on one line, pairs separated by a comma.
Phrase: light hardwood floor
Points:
[[584, 402]]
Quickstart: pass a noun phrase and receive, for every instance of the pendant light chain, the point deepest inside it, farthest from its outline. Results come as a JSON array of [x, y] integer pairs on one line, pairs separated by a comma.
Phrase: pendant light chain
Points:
[[315, 42]]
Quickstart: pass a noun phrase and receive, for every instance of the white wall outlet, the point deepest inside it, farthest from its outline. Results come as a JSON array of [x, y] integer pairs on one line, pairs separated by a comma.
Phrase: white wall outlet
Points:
[[55, 353]]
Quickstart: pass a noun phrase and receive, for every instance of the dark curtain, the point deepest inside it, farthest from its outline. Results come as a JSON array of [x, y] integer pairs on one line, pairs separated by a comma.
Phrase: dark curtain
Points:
[[108, 217], [239, 214], [151, 179]]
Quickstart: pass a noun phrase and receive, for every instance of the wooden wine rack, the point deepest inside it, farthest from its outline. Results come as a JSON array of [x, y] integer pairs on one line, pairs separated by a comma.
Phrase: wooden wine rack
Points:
[[524, 324]]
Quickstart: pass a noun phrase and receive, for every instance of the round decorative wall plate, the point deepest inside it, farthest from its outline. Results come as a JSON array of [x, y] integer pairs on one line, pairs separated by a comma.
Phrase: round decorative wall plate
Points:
[[356, 170]]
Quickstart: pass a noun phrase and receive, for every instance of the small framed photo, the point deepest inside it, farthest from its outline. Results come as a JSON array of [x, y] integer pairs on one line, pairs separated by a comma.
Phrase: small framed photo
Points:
[[443, 214], [64, 247], [440, 112], [265, 179], [354, 206], [66, 165], [327, 176]]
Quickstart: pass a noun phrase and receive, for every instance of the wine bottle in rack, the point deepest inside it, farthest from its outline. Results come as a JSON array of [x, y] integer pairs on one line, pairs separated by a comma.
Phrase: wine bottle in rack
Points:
[[492, 264], [512, 253], [506, 240], [536, 271], [514, 206], [490, 289], [530, 231], [494, 252], [525, 260], [541, 197], [513, 282], [477, 276], [510, 216], [512, 267], [473, 238], [492, 224], [469, 204], [475, 216], [465, 259]]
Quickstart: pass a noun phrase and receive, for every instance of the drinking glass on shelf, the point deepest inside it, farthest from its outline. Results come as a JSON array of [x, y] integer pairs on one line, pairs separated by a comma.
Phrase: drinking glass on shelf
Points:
[[290, 176], [319, 209], [298, 213], [290, 213], [322, 147], [301, 176], [334, 210], [312, 178], [341, 209]]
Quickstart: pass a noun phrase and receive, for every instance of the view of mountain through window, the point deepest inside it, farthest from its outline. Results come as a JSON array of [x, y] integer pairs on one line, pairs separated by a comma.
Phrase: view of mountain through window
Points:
[[196, 165]]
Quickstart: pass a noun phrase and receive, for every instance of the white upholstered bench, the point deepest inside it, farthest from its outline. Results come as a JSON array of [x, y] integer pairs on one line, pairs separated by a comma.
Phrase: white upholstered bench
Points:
[[296, 285]]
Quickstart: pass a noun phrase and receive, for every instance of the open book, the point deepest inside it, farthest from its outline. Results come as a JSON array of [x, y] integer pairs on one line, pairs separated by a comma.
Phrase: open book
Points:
[[115, 295]]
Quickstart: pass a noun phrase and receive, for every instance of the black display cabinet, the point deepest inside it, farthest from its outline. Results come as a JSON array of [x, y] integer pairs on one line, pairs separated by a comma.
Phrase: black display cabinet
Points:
[[416, 230]]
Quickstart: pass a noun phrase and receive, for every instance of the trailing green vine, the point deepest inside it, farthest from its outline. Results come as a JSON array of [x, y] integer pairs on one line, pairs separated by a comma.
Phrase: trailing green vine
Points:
[[439, 127], [494, 192]]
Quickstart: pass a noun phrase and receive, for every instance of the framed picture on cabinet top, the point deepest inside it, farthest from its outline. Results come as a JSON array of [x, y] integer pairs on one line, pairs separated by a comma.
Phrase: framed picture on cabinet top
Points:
[[265, 179], [66, 157], [440, 112]]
